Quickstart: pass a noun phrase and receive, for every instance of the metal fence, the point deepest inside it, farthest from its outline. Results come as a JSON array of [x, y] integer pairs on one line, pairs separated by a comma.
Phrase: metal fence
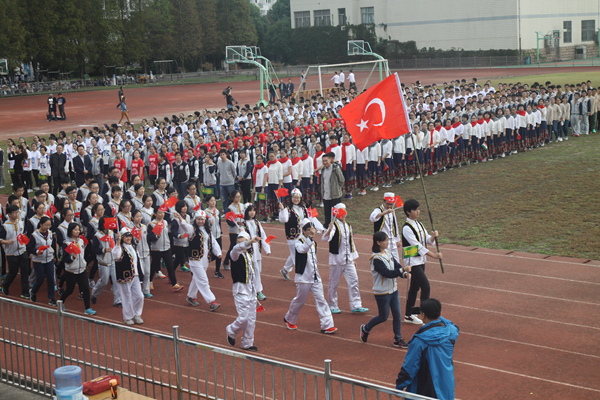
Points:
[[36, 340]]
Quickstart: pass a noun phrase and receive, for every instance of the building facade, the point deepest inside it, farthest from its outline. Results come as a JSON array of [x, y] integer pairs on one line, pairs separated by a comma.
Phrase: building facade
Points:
[[466, 24], [264, 5]]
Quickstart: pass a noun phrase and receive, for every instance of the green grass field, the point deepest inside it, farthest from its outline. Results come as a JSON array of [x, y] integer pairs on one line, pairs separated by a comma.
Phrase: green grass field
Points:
[[557, 79], [544, 201]]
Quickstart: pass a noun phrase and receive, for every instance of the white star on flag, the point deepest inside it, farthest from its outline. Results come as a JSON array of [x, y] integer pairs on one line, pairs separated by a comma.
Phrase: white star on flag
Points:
[[362, 125]]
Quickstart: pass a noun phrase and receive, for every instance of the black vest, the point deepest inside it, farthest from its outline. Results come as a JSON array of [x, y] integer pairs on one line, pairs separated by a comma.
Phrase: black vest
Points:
[[124, 268], [421, 240], [292, 227], [179, 172], [335, 242], [302, 258], [251, 249], [379, 223], [240, 268], [197, 243], [192, 166], [162, 169]]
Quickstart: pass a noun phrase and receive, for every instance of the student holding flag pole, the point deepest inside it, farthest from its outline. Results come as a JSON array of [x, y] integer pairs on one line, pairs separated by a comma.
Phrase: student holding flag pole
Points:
[[255, 229], [384, 219]]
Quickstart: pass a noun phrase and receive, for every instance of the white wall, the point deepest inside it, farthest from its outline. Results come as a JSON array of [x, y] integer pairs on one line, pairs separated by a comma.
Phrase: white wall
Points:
[[467, 24]]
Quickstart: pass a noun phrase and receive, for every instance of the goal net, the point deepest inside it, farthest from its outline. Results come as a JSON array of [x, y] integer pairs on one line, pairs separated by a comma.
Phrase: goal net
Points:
[[321, 77]]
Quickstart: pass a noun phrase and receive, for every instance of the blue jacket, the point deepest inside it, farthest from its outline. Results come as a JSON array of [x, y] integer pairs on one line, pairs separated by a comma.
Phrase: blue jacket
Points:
[[428, 368]]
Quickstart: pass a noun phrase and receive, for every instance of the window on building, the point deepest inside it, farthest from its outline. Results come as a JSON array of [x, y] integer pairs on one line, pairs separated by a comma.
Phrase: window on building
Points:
[[322, 18], [302, 19], [588, 30], [341, 16], [568, 32], [367, 15]]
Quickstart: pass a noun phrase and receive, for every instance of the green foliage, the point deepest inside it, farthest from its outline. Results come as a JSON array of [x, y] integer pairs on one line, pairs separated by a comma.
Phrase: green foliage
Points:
[[261, 23], [12, 32], [235, 24]]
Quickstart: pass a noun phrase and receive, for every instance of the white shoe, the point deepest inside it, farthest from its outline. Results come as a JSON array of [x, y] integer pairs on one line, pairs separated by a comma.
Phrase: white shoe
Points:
[[411, 179], [160, 275], [129, 322], [138, 320], [413, 319], [559, 139], [375, 189]]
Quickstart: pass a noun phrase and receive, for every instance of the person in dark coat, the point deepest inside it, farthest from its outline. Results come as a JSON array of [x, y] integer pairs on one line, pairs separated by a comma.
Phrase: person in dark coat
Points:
[[58, 161]]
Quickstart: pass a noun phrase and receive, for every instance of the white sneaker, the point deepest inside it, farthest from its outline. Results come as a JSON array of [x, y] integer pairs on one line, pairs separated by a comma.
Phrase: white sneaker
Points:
[[412, 319], [129, 322], [375, 189], [559, 139], [160, 275], [138, 320]]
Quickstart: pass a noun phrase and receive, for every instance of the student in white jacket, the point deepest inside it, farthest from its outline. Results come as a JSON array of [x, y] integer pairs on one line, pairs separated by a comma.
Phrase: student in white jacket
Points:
[[308, 280], [244, 291], [342, 254], [254, 228]]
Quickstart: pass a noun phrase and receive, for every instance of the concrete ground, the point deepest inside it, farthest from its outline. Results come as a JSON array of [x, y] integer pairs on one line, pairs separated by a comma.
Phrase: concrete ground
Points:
[[10, 392]]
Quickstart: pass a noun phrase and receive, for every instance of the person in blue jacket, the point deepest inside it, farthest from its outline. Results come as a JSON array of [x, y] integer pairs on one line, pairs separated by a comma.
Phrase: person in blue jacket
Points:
[[428, 369]]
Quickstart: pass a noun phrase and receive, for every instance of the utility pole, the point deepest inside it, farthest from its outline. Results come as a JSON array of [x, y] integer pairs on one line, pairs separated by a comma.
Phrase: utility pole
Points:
[[181, 35]]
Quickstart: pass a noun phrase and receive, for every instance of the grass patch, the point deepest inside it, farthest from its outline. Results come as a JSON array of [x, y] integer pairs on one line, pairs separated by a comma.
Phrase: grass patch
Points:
[[543, 201], [556, 79]]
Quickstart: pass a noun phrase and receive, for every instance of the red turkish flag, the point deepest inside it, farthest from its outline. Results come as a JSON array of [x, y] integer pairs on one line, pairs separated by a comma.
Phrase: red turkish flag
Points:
[[137, 233], [73, 249], [269, 238], [379, 113], [110, 223], [108, 238], [312, 212]]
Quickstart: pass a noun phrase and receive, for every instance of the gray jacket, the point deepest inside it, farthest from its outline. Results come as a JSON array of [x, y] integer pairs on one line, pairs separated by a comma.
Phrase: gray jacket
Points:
[[336, 182], [227, 172]]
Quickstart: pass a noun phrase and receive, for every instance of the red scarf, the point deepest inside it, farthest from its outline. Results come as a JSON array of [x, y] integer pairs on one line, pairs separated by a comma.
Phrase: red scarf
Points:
[[269, 163], [541, 106], [522, 113], [304, 157], [447, 128], [317, 155], [456, 124], [480, 122], [473, 123], [283, 160], [438, 128], [295, 160], [257, 167], [487, 120], [344, 154]]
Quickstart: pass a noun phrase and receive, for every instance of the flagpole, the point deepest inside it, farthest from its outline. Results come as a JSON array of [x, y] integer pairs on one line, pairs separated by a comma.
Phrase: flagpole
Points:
[[437, 246]]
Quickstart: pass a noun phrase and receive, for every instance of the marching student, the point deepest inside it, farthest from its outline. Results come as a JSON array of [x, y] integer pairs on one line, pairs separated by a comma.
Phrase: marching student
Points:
[[237, 209], [160, 248], [415, 234], [291, 215], [180, 238], [385, 269], [41, 246], [244, 291], [307, 280], [17, 257], [255, 230], [214, 221], [128, 270], [384, 219], [124, 217], [140, 234], [275, 181], [101, 247], [342, 253], [202, 244], [73, 250]]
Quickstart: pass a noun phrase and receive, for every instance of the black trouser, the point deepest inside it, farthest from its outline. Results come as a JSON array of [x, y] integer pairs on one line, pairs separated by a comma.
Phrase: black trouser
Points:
[[44, 271], [167, 257], [93, 269], [232, 242], [328, 205], [61, 110], [246, 186], [418, 280], [36, 176], [84, 287], [27, 180], [56, 187], [17, 264], [218, 260], [181, 256]]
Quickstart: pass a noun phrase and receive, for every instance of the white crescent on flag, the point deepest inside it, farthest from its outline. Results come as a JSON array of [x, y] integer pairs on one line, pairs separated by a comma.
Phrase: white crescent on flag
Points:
[[382, 108]]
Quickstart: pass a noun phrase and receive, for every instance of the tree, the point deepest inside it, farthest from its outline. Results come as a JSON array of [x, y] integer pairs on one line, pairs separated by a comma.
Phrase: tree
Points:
[[188, 34], [278, 42], [207, 11], [261, 24], [279, 11], [39, 16], [12, 33], [71, 43], [234, 24]]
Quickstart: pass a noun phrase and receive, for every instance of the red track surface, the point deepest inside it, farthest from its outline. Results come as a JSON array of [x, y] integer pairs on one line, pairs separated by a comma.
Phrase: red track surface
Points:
[[25, 116], [528, 325]]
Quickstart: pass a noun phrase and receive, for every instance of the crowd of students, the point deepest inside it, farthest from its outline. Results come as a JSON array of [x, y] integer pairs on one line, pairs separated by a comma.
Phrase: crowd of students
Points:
[[91, 223]]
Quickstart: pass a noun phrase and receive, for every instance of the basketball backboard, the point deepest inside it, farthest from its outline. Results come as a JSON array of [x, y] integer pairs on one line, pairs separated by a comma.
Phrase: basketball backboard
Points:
[[358, 47], [234, 54]]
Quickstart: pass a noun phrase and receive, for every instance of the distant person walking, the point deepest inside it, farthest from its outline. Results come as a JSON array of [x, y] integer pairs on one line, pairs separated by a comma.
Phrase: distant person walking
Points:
[[124, 111]]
